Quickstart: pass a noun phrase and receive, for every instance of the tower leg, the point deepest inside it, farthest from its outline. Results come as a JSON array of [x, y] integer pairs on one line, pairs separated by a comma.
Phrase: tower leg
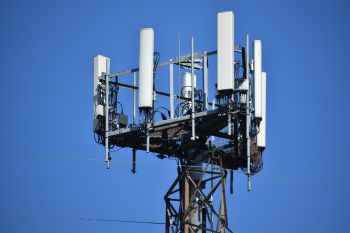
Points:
[[186, 204]]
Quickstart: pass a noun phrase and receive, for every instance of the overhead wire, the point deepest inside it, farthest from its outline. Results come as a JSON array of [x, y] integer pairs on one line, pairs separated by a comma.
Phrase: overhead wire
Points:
[[77, 218]]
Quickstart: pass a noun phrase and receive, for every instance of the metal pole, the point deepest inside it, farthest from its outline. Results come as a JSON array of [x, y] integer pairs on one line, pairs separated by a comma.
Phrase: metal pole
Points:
[[171, 90], [248, 110], [186, 202], [147, 138], [213, 108], [231, 181], [133, 170], [192, 92], [107, 120], [212, 169], [229, 116], [229, 121], [134, 105], [205, 82]]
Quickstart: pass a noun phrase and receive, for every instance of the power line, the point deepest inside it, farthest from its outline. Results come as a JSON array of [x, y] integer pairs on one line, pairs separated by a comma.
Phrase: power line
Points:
[[79, 218], [80, 158], [52, 157]]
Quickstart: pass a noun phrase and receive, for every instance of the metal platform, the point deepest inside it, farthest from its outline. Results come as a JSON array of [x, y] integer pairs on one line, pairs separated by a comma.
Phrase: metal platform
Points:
[[172, 138], [166, 135]]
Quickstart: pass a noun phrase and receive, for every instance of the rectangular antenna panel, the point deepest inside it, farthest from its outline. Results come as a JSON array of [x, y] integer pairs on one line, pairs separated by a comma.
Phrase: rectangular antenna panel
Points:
[[146, 68], [225, 45], [261, 137], [101, 65], [257, 78]]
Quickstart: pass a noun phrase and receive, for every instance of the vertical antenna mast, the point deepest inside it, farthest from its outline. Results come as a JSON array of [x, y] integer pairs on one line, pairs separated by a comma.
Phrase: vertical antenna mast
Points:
[[133, 170], [192, 92], [107, 118], [247, 73]]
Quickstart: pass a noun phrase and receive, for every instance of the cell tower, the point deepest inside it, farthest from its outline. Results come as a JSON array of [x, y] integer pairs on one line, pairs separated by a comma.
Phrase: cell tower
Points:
[[208, 139]]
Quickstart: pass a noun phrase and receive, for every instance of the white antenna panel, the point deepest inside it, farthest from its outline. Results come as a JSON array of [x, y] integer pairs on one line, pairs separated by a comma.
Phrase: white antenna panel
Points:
[[225, 45], [101, 65], [257, 78], [146, 68], [186, 84], [261, 137]]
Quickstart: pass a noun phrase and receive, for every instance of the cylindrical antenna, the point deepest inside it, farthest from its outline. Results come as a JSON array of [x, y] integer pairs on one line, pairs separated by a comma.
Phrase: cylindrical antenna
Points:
[[261, 137], [187, 84], [257, 78], [146, 68], [205, 81], [225, 44]]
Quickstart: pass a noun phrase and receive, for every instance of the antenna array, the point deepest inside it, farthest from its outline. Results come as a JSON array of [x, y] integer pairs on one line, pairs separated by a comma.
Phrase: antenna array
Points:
[[185, 132]]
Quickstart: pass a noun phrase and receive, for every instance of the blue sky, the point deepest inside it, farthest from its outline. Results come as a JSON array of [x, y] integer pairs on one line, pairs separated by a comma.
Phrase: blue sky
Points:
[[46, 63]]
